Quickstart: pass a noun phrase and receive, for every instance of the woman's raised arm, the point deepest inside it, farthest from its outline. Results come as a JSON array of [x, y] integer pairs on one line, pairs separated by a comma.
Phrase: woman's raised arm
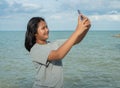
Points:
[[61, 52]]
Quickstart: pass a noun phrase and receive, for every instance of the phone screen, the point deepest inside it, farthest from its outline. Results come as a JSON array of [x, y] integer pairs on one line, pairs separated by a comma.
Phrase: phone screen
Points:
[[79, 14]]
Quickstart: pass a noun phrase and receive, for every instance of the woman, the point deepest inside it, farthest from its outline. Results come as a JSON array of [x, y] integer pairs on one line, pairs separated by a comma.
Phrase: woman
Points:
[[46, 55]]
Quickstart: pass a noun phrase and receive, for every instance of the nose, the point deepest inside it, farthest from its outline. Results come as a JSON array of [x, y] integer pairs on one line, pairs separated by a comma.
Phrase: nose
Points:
[[47, 30]]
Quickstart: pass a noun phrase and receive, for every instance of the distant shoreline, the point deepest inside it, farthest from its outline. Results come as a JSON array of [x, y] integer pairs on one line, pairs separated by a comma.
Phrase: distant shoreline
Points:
[[117, 35]]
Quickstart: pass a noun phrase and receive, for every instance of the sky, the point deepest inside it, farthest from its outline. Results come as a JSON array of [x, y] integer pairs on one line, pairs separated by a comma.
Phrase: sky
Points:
[[59, 14]]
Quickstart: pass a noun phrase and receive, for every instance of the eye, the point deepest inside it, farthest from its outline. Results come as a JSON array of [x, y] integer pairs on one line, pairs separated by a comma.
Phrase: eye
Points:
[[43, 28]]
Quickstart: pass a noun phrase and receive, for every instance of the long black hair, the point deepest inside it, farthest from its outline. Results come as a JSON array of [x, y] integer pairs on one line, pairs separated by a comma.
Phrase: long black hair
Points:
[[32, 27]]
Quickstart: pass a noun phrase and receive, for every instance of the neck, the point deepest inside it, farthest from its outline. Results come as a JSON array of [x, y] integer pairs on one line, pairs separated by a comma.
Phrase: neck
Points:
[[42, 42]]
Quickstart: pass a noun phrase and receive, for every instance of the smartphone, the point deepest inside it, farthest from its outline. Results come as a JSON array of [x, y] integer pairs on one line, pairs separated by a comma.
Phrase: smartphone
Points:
[[79, 14]]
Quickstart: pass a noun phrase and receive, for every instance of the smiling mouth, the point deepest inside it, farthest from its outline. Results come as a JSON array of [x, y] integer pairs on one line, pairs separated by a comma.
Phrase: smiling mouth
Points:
[[46, 33]]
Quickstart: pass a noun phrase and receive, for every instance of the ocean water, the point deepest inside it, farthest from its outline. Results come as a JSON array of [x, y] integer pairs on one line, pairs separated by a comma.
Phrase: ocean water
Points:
[[93, 63]]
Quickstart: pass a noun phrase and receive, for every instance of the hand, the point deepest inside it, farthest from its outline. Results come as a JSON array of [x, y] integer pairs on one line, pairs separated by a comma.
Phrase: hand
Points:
[[83, 24]]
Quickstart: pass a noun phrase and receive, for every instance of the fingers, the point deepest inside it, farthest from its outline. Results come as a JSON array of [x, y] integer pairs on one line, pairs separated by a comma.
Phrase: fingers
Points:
[[85, 21], [81, 17], [88, 24]]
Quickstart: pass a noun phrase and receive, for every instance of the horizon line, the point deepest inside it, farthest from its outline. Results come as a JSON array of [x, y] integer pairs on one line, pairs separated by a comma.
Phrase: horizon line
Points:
[[62, 30]]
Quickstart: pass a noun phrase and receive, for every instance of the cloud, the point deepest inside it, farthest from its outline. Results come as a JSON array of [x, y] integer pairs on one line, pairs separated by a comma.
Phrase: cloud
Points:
[[59, 12], [105, 18], [13, 7], [30, 6], [91, 7], [55, 17]]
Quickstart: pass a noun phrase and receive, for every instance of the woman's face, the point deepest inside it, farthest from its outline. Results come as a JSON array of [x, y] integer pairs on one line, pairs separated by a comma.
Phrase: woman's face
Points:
[[42, 31]]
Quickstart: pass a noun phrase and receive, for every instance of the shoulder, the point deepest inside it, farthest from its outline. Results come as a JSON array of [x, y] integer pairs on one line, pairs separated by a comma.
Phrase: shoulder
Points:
[[34, 49], [50, 45], [37, 47]]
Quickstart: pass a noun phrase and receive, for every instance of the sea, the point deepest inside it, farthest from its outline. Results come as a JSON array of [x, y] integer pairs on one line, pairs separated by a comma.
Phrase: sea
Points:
[[93, 63]]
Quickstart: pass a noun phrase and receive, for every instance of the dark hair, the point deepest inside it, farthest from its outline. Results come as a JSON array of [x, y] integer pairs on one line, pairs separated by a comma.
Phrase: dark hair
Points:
[[32, 27]]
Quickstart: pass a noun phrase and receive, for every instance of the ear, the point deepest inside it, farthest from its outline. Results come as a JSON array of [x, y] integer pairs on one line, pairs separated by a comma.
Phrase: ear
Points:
[[36, 35]]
